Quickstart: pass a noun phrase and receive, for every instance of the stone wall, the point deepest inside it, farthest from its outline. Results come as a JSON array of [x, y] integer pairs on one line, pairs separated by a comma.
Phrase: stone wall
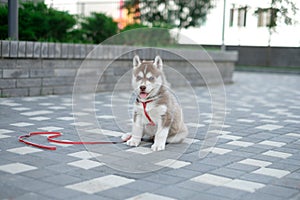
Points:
[[37, 68], [264, 55]]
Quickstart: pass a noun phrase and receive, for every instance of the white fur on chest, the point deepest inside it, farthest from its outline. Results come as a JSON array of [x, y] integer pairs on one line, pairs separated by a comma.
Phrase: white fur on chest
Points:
[[154, 111]]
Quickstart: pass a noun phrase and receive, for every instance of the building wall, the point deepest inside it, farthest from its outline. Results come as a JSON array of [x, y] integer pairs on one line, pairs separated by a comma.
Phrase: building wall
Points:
[[250, 35], [35, 68]]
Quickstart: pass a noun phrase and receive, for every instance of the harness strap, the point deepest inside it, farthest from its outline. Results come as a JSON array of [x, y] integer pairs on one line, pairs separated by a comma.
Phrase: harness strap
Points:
[[151, 123]]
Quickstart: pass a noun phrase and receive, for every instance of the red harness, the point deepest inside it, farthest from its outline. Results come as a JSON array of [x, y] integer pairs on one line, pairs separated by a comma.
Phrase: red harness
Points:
[[151, 123]]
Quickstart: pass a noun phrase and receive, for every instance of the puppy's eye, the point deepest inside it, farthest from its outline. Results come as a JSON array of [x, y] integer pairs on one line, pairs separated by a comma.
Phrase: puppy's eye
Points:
[[138, 78], [151, 78]]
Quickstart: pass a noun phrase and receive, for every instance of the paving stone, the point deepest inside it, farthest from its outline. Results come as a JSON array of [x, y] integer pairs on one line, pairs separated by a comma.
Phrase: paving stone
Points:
[[32, 196], [279, 191], [259, 195], [119, 193], [164, 179], [175, 192], [263, 163], [227, 192], [60, 193], [207, 196], [227, 172]]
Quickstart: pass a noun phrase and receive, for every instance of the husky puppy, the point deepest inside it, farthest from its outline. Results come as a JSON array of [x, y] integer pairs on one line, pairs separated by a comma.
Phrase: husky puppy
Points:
[[156, 111]]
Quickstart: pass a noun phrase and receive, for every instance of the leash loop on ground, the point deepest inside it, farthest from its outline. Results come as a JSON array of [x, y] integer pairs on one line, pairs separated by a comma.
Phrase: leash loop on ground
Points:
[[53, 135]]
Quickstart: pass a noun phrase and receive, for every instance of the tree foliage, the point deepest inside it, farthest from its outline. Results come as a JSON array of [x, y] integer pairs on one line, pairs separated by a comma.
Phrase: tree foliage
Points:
[[140, 35], [3, 21], [97, 27], [37, 22], [165, 13]]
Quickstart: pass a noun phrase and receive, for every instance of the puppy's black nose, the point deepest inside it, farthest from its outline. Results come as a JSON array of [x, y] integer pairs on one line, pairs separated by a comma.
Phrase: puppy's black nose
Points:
[[142, 88]]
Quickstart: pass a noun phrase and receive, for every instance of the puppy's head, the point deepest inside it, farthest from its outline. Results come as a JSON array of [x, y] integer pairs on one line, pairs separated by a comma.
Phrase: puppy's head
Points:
[[147, 77]]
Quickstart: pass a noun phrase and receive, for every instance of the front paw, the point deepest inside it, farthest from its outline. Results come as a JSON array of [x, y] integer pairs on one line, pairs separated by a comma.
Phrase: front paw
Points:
[[158, 146], [125, 137], [133, 142]]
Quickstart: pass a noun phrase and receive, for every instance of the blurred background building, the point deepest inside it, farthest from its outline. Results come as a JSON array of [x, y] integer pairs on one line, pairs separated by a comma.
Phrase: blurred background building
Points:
[[243, 24]]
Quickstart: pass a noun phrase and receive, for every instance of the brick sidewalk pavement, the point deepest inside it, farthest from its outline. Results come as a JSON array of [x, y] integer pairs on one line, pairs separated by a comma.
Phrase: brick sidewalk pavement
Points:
[[257, 155]]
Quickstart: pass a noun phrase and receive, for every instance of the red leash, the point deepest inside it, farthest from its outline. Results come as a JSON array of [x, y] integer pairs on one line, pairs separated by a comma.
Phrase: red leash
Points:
[[53, 135], [56, 135]]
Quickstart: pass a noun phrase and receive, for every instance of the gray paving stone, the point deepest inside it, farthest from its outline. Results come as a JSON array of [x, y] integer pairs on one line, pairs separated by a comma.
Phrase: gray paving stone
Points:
[[227, 192], [53, 171], [60, 193], [175, 192], [182, 172], [258, 195], [227, 172], [62, 179], [296, 197], [164, 179], [143, 186], [90, 197], [206, 196], [200, 167], [288, 182], [10, 192], [259, 178], [279, 191], [119, 193], [32, 196], [242, 167]]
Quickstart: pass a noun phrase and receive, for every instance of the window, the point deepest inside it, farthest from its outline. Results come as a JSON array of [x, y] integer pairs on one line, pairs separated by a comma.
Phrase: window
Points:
[[266, 17], [242, 14], [238, 16]]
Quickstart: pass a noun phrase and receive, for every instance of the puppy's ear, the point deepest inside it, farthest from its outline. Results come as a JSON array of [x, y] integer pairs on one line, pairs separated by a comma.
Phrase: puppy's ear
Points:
[[158, 62], [136, 61]]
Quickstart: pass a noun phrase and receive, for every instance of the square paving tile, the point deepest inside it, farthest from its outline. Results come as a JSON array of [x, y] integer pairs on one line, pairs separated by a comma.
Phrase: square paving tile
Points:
[[140, 150], [149, 196], [217, 150], [272, 172], [51, 128], [3, 131], [254, 162], [240, 143], [248, 186], [269, 127], [277, 154], [175, 164], [211, 179], [39, 112], [85, 154], [39, 118], [21, 124], [24, 150], [272, 143], [85, 164], [100, 184], [15, 168]]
